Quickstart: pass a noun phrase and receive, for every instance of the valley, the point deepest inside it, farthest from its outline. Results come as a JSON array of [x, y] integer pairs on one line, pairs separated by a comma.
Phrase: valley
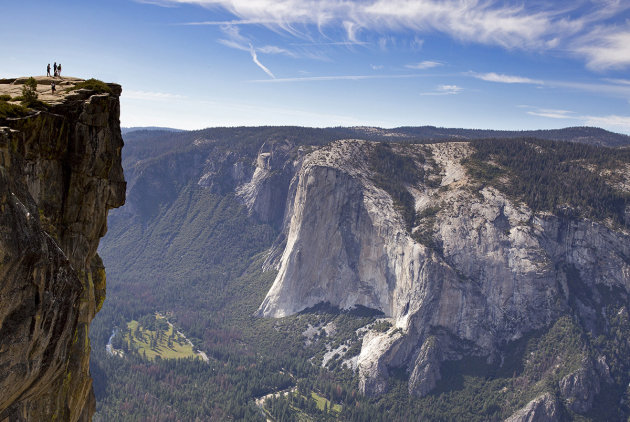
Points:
[[395, 280]]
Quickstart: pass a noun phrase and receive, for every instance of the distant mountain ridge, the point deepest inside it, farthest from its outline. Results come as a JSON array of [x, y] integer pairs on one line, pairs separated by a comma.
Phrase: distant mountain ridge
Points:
[[125, 130], [583, 134]]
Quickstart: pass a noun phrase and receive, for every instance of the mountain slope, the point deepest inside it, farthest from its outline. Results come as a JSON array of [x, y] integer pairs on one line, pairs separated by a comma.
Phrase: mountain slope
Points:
[[494, 269]]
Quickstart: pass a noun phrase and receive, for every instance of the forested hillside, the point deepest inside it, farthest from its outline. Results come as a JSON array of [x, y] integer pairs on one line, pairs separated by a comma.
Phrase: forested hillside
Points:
[[190, 244]]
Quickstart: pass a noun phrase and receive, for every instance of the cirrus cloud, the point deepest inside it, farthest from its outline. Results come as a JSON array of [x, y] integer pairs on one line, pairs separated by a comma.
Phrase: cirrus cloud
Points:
[[444, 90], [505, 79], [591, 29], [427, 64]]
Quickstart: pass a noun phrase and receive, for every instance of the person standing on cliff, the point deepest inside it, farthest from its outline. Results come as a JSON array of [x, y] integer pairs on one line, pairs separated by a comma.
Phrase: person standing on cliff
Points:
[[59, 70], [52, 87], [55, 68], [48, 70]]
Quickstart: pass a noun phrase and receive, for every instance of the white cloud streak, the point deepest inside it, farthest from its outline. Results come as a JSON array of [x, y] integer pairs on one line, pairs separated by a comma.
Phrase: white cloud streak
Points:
[[342, 43], [234, 22], [552, 113], [258, 63], [615, 121], [427, 64], [618, 81], [336, 78], [444, 90], [612, 122], [505, 79]]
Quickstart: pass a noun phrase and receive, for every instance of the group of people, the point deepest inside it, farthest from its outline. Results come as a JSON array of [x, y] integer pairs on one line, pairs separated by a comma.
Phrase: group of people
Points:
[[56, 73], [56, 70]]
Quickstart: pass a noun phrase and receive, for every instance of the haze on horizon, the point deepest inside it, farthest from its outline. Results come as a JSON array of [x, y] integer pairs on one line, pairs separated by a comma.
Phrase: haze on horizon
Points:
[[474, 64]]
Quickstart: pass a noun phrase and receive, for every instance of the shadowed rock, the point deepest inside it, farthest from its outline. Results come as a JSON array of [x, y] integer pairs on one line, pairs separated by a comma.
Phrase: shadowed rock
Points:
[[60, 173]]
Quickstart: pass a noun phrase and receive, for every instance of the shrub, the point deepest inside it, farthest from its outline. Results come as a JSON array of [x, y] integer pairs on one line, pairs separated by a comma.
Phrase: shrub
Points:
[[12, 110], [35, 104], [5, 97], [382, 326], [95, 85], [29, 91]]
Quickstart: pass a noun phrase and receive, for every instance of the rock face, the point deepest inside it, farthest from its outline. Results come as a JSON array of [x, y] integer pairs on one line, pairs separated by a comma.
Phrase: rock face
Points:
[[542, 409], [60, 173], [492, 272]]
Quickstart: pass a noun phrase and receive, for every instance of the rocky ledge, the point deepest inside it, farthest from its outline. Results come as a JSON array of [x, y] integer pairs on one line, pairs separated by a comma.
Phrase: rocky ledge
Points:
[[60, 173]]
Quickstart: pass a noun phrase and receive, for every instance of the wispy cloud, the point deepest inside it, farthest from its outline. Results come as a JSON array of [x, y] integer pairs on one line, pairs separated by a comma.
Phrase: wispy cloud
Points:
[[611, 90], [553, 113], [234, 38], [417, 43], [445, 90], [427, 64], [272, 49], [318, 44], [239, 42], [258, 63], [606, 48], [618, 81], [488, 22], [233, 22], [233, 44], [352, 30], [583, 28], [336, 78], [613, 121], [161, 3], [505, 79]]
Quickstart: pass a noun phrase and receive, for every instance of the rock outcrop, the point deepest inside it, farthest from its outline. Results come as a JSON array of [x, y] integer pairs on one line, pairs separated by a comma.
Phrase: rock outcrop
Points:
[[476, 271], [543, 408], [60, 173]]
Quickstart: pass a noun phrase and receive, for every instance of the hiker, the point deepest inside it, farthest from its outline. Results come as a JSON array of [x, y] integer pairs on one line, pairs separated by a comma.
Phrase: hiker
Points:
[[55, 68], [52, 87], [59, 70], [48, 70]]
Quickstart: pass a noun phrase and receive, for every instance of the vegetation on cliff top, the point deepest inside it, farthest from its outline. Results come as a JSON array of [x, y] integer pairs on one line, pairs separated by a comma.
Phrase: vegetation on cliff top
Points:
[[392, 173], [559, 177], [95, 85], [12, 110]]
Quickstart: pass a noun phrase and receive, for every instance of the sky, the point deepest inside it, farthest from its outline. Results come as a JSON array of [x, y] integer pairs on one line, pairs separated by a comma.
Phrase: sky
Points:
[[484, 64]]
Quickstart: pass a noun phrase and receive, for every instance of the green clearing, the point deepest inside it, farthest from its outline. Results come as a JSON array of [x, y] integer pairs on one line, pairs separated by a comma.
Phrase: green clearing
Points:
[[162, 341], [323, 402]]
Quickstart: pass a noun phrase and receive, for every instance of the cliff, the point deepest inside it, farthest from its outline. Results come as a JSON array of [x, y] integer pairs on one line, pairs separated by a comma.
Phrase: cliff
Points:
[[60, 173], [474, 271]]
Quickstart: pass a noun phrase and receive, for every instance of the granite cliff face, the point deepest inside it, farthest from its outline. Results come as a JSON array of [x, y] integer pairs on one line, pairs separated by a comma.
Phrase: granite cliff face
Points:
[[60, 173], [475, 272]]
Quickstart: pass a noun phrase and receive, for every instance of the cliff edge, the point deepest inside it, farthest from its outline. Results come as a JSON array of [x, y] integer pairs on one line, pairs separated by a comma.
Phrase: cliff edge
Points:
[[60, 173]]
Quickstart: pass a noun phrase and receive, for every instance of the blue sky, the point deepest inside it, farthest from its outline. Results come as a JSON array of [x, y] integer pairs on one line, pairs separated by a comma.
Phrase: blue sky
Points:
[[452, 63]]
